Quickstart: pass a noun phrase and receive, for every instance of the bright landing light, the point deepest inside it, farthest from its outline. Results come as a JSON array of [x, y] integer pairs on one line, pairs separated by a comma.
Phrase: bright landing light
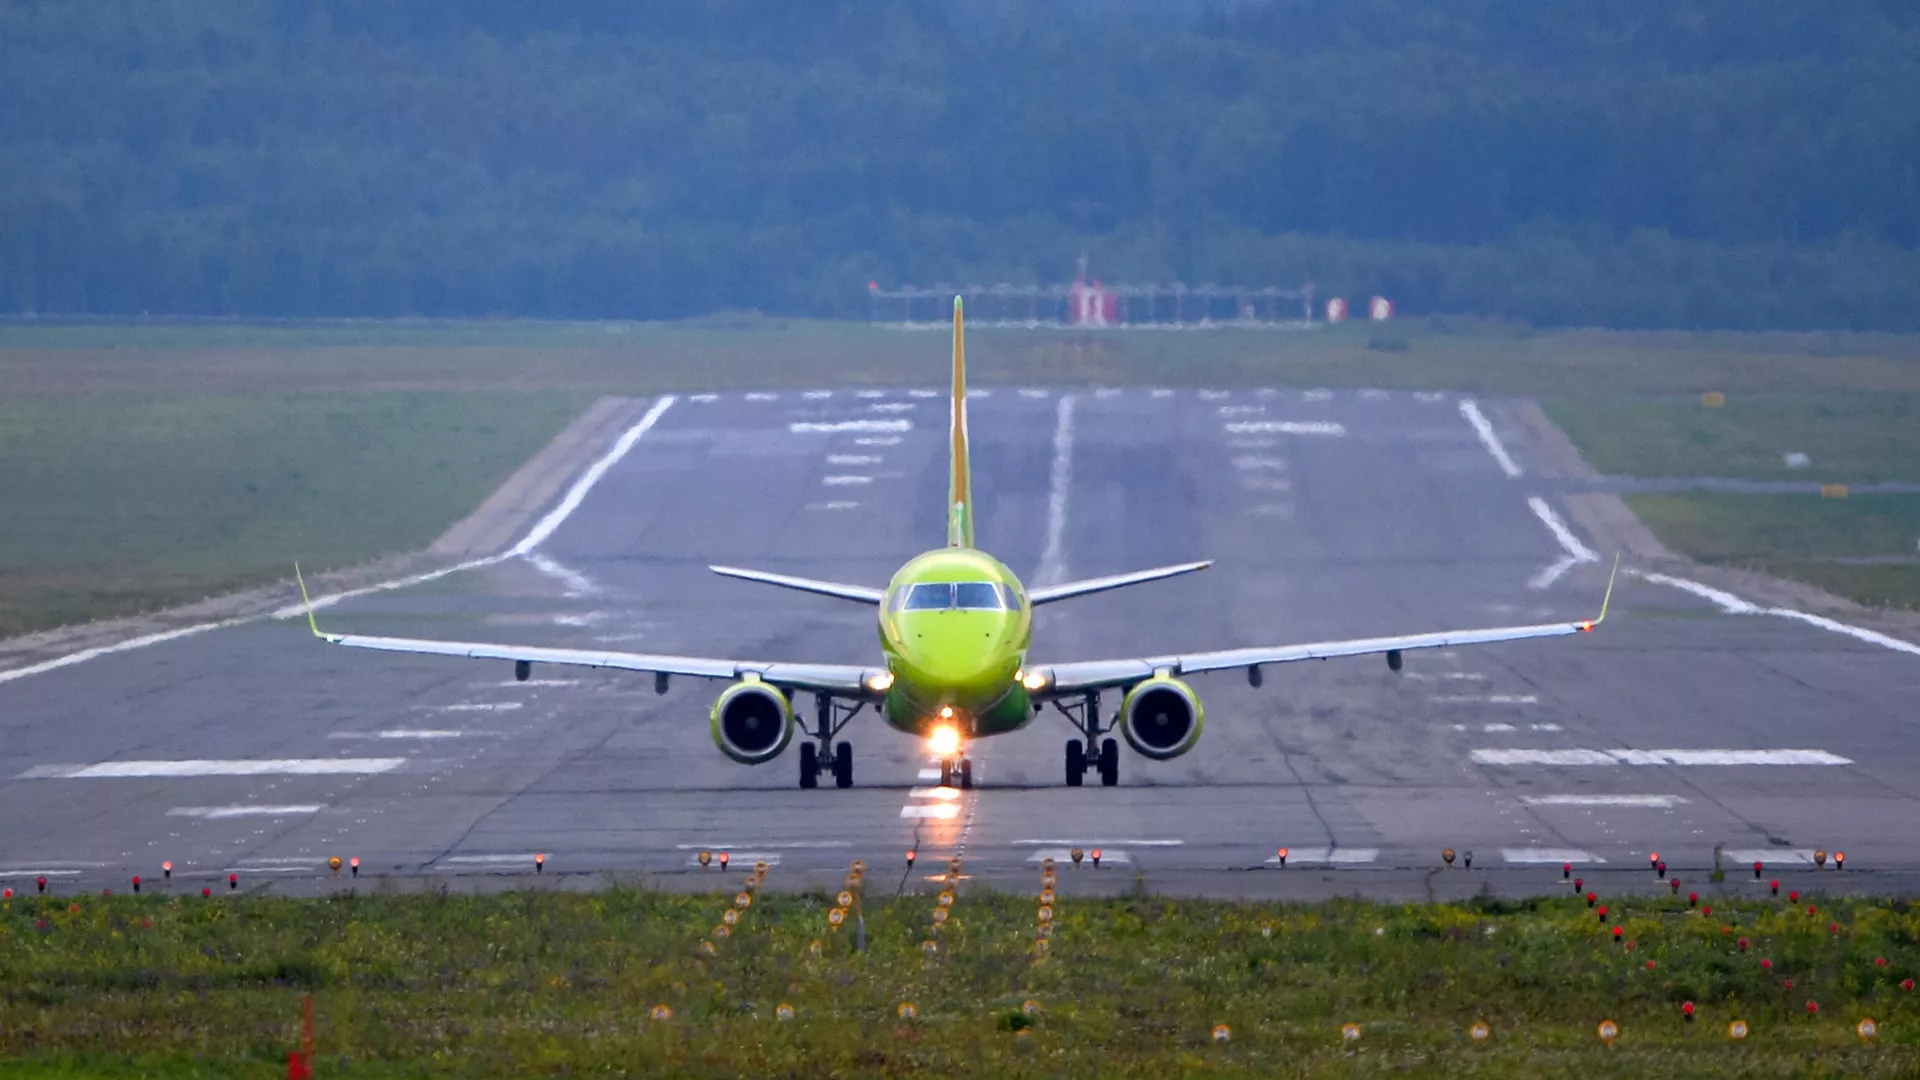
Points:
[[944, 740]]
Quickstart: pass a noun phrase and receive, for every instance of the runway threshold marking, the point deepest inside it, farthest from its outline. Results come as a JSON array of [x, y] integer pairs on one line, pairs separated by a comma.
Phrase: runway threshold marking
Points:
[[1535, 856], [1659, 802], [1656, 757], [1336, 856], [1770, 856], [116, 770]]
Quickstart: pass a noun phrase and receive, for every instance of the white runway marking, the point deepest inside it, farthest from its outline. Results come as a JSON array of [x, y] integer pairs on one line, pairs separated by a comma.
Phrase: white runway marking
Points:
[[1434, 676], [975, 395], [1543, 727], [928, 774], [836, 504], [412, 733], [577, 583], [1487, 699], [869, 394], [817, 395], [1496, 727], [892, 407], [1531, 856], [1471, 410], [1733, 605], [218, 813], [941, 811], [1266, 483], [38, 873], [488, 860], [1656, 802], [1159, 393], [534, 683], [836, 427], [1286, 427], [761, 395], [1105, 392], [1744, 858], [1577, 552], [1657, 757], [854, 459], [1373, 394], [1318, 395], [1428, 395], [1332, 856], [1242, 410], [705, 399], [943, 794], [1033, 393], [1098, 843], [1212, 395], [206, 767], [878, 440], [1053, 559], [1064, 856], [479, 706], [923, 393], [845, 481], [1253, 461], [783, 845]]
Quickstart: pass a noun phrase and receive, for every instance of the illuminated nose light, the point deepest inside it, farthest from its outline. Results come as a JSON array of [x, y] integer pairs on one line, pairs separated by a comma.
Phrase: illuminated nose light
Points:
[[880, 683], [1034, 680], [944, 739]]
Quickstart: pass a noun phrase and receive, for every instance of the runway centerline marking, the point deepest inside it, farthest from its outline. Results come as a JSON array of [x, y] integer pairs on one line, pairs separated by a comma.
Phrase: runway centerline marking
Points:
[[1053, 558], [111, 770], [1487, 699], [878, 440], [940, 811], [1656, 757], [854, 459], [1286, 427], [399, 733], [477, 706], [1488, 438]]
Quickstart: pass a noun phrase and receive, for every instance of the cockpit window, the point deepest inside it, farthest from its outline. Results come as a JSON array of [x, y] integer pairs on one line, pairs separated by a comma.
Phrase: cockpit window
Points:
[[1011, 598], [965, 595], [977, 596]]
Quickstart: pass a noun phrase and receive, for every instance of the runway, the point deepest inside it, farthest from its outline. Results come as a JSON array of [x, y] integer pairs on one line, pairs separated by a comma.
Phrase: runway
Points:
[[1678, 728]]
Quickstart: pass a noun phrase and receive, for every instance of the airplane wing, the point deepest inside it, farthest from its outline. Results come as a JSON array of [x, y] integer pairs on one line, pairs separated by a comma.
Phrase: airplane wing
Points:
[[843, 679], [1080, 677], [860, 593], [1049, 593]]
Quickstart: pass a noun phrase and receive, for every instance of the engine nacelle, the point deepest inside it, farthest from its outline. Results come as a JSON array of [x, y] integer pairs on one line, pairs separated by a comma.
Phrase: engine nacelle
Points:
[[1161, 718], [752, 722]]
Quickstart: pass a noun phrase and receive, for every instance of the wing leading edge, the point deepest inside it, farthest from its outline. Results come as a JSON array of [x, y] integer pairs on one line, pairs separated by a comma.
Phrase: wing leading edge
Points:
[[1088, 675], [844, 679]]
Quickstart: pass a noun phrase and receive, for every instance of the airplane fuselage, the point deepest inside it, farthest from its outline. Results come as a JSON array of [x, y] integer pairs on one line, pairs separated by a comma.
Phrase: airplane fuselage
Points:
[[955, 627]]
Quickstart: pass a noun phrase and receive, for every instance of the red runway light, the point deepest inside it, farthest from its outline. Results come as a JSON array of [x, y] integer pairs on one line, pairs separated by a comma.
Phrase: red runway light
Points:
[[354, 863], [1566, 871], [1766, 965], [1756, 871], [1775, 884], [8, 895], [1649, 965], [1578, 884], [1616, 935], [1282, 853], [1707, 910], [910, 855], [1880, 961], [1686, 1010], [136, 883], [1096, 858], [1591, 898], [1743, 944], [42, 884], [1693, 899], [1675, 885], [1812, 1007], [166, 868], [1907, 986], [1661, 868], [233, 882], [1793, 896], [204, 893], [1833, 928], [1603, 913], [1653, 859], [723, 860], [540, 862]]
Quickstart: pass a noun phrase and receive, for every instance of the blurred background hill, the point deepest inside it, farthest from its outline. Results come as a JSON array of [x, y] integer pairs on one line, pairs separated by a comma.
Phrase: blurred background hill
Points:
[[1746, 164]]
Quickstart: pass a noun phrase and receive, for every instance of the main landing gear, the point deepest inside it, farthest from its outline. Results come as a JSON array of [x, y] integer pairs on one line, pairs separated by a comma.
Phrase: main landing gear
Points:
[[821, 753], [957, 769], [1090, 751]]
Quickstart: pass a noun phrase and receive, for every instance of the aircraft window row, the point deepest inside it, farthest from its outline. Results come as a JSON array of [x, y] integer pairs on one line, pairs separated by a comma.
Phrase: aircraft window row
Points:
[[961, 595]]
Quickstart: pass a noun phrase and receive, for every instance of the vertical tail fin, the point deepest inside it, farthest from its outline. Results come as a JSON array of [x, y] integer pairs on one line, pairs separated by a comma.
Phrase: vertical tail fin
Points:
[[960, 487]]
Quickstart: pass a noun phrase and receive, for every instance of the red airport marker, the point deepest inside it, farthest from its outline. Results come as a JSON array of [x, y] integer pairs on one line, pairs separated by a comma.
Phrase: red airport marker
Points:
[[166, 870], [1661, 868], [1907, 986], [1706, 910], [354, 863], [1756, 871], [1591, 897], [233, 882], [136, 883], [1283, 858], [1743, 944], [1617, 931], [723, 860], [1775, 885], [7, 895], [1578, 884], [205, 893], [1675, 884], [540, 862], [1813, 1007], [1793, 896], [1096, 858], [1766, 965], [41, 884], [1566, 870], [1653, 861], [1686, 1011], [1839, 860], [1603, 913], [1693, 899]]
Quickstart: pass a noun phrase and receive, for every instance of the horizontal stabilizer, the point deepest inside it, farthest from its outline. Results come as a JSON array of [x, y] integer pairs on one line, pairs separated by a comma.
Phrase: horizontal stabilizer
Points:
[[859, 593], [1048, 594]]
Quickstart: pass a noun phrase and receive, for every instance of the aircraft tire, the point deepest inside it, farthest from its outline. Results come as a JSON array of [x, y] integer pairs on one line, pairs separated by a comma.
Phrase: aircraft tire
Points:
[[966, 774], [1109, 763], [1076, 762], [843, 765], [809, 765]]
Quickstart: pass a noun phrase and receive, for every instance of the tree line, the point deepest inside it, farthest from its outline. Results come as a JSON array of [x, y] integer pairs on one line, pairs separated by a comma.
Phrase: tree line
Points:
[[1728, 163]]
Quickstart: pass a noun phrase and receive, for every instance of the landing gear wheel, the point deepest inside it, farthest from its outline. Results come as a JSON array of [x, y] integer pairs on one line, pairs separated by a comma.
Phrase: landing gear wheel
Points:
[[946, 773], [809, 765], [1076, 763], [1109, 763], [966, 773], [843, 765]]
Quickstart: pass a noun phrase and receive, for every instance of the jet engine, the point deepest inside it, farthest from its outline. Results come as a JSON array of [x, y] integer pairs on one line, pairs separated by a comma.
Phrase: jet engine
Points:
[[752, 722], [1161, 718]]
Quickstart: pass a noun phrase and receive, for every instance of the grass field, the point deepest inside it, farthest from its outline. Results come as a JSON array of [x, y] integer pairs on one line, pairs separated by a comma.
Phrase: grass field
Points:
[[1864, 546], [150, 464], [1848, 438], [530, 983], [118, 503]]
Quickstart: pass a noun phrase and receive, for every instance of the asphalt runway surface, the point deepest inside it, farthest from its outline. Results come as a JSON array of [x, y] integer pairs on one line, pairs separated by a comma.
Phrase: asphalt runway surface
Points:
[[259, 751]]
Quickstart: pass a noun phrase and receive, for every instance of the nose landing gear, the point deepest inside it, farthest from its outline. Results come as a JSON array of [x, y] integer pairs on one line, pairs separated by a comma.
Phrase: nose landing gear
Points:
[[1090, 751], [957, 769]]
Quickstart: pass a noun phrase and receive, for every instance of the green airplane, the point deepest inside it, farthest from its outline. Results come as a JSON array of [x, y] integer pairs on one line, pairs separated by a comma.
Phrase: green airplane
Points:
[[955, 625]]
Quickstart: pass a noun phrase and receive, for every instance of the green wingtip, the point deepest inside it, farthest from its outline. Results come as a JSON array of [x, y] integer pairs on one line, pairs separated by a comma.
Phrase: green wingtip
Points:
[[956, 303], [1607, 600], [312, 623]]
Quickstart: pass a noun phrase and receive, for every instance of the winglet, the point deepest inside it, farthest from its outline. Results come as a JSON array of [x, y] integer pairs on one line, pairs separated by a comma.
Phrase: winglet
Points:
[[312, 623], [1606, 600]]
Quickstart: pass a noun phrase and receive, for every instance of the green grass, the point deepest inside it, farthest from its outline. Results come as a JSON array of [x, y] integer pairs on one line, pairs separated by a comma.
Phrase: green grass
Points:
[[1801, 537], [118, 504], [540, 983], [1850, 438]]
